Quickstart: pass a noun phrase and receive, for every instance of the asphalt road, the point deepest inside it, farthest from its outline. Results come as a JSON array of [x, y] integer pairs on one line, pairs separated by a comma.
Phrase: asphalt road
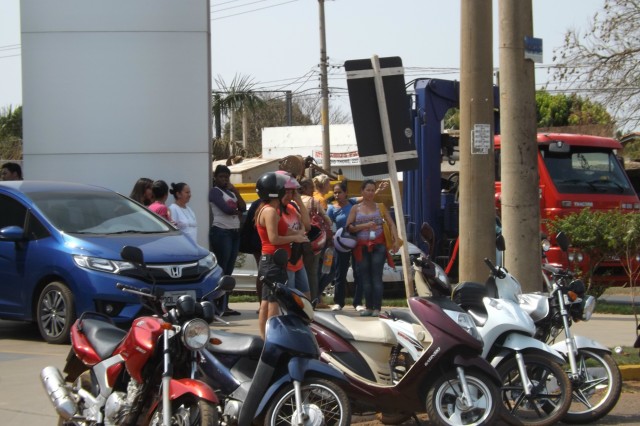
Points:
[[23, 354]]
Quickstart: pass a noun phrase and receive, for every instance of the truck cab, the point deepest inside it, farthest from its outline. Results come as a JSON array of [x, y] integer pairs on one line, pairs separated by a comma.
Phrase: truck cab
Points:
[[578, 172]]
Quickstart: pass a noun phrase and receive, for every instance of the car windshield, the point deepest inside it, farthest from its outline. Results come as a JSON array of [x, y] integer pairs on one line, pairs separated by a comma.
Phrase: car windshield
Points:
[[99, 212], [586, 171]]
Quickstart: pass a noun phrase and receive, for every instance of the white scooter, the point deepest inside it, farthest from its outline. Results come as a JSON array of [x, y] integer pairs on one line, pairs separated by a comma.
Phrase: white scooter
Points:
[[593, 372], [535, 390]]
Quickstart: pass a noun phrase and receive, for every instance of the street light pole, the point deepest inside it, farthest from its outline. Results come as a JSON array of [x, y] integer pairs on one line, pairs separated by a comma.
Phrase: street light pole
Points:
[[324, 88]]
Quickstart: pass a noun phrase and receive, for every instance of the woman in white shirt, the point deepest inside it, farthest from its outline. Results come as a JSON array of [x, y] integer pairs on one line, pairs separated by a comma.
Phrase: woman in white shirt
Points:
[[181, 214]]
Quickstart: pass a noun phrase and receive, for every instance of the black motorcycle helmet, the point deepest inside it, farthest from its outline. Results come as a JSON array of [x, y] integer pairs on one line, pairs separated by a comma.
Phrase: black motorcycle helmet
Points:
[[273, 185]]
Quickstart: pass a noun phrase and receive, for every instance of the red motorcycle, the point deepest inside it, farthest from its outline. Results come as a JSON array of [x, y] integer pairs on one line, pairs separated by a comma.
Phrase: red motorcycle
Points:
[[144, 375]]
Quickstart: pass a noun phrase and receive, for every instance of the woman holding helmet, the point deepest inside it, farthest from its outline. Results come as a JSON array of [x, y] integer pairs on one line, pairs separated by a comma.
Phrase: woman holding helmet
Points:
[[338, 212], [276, 190]]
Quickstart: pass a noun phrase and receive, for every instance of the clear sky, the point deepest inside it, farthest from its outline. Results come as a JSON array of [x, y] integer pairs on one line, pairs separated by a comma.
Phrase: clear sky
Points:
[[276, 42]]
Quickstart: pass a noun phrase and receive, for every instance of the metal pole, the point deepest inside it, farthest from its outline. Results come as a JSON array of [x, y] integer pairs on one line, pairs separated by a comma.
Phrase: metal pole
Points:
[[289, 101], [393, 175], [324, 88], [519, 149], [477, 211]]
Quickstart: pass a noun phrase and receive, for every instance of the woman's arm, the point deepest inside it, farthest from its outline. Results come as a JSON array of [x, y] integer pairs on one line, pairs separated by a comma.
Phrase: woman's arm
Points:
[[304, 212]]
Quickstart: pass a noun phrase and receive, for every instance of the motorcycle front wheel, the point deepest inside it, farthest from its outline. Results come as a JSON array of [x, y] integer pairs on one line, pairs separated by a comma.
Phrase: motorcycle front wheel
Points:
[[445, 408], [596, 389], [188, 411], [323, 403], [550, 395]]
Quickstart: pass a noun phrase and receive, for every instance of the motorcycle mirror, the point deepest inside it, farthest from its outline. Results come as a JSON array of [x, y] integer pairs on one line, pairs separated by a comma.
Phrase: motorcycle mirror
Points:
[[226, 284], [132, 254], [500, 244], [280, 257], [563, 241]]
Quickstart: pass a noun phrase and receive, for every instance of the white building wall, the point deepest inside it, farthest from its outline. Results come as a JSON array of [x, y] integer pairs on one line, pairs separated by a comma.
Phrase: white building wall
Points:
[[116, 90]]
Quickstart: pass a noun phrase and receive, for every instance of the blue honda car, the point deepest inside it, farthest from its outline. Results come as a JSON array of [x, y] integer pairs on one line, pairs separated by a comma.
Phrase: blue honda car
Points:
[[60, 247]]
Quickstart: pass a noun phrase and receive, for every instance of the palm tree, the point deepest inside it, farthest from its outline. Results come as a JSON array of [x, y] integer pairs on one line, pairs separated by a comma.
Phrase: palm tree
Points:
[[230, 99]]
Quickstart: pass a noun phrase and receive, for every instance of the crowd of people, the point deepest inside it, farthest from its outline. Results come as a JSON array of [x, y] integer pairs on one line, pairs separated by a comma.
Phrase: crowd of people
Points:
[[282, 218], [297, 217]]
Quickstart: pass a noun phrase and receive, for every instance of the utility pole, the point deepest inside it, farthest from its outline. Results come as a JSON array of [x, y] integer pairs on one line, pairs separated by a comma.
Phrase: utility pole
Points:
[[289, 101], [519, 168], [477, 211], [324, 88]]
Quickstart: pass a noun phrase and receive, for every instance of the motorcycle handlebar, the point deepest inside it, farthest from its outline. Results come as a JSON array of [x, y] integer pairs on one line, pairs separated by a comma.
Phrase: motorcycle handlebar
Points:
[[559, 272], [495, 271]]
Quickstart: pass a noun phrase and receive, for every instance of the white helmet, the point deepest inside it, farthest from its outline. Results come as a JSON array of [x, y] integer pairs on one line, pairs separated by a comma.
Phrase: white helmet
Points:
[[343, 241]]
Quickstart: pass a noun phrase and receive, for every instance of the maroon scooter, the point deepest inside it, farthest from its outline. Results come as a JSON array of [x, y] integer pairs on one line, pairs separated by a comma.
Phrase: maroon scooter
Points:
[[449, 379]]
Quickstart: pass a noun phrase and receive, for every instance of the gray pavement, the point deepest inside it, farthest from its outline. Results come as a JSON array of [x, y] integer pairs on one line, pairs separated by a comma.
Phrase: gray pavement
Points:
[[23, 355]]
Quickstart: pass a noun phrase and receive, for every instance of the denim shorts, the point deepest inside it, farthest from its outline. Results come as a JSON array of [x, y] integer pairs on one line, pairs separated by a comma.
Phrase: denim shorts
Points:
[[272, 272]]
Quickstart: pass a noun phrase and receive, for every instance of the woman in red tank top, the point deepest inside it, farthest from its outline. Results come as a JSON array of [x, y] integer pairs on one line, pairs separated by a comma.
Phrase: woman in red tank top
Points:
[[276, 190]]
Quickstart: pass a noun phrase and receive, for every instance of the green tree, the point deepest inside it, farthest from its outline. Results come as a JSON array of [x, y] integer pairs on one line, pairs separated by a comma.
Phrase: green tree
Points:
[[603, 60], [590, 232], [11, 133], [236, 97], [571, 110]]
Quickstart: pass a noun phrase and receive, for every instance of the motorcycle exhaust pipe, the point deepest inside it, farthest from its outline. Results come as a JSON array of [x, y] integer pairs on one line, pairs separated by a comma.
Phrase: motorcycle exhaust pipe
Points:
[[59, 394]]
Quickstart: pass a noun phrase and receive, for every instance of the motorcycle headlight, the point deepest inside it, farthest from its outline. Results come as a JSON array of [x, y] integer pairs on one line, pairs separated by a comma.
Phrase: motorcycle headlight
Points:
[[195, 334], [546, 244], [465, 322], [100, 264], [589, 307]]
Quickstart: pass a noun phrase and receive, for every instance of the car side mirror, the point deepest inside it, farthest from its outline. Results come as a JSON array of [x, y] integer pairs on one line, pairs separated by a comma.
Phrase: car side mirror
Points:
[[12, 233]]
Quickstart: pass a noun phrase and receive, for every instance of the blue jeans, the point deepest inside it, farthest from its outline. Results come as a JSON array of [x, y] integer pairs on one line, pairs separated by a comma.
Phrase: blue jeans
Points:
[[340, 282], [370, 274], [224, 244], [298, 280]]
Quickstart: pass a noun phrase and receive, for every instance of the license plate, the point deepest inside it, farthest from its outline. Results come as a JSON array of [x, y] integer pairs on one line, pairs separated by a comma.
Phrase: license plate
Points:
[[171, 297]]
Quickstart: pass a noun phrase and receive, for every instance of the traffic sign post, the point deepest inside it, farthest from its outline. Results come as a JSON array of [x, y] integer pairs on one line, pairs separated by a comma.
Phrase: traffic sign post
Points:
[[384, 135]]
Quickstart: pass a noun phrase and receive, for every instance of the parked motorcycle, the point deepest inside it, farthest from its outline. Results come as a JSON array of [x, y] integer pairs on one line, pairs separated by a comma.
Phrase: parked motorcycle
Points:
[[144, 375], [535, 388], [594, 374], [278, 381], [448, 379]]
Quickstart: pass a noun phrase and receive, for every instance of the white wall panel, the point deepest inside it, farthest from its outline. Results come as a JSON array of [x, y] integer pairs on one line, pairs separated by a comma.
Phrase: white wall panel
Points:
[[115, 90]]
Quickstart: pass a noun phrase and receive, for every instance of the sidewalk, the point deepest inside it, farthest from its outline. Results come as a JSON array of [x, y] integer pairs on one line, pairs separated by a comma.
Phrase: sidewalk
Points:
[[606, 329]]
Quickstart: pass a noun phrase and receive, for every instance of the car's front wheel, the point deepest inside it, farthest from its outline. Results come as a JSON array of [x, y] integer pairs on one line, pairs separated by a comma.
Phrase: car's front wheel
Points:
[[55, 312]]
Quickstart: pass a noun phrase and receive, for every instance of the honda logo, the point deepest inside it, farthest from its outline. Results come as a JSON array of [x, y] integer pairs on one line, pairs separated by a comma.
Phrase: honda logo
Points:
[[175, 271]]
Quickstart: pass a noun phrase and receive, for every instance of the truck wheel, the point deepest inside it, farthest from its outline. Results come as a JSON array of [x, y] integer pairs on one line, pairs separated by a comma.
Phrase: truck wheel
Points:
[[55, 313]]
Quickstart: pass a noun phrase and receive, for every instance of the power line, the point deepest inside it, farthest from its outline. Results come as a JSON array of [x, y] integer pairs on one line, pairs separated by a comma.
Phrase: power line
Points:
[[240, 5], [253, 10]]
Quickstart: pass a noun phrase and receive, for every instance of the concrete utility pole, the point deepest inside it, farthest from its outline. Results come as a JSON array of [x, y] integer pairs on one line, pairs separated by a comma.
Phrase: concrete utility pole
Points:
[[324, 88], [520, 193], [477, 212]]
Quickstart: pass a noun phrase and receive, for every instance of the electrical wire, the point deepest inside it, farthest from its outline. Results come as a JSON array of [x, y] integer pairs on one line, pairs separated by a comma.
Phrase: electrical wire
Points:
[[253, 10]]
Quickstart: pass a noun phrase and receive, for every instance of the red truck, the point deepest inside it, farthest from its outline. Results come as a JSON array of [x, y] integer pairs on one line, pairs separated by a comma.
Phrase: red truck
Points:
[[576, 171]]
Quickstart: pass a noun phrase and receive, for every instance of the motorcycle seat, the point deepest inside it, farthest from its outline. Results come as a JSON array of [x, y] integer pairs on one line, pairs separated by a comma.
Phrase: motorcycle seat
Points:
[[356, 328], [237, 344], [469, 295], [103, 336]]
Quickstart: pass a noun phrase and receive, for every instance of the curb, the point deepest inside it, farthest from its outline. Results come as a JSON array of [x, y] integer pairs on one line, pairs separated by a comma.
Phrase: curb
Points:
[[630, 372]]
